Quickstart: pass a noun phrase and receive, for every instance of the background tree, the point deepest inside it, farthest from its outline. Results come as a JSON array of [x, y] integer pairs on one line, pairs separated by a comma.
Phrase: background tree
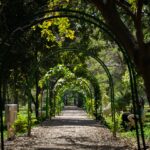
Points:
[[135, 41]]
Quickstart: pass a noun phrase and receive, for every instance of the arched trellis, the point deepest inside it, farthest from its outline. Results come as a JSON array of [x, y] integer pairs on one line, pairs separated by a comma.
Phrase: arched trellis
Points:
[[51, 89], [92, 54], [91, 19], [88, 91], [89, 79], [50, 84], [80, 91]]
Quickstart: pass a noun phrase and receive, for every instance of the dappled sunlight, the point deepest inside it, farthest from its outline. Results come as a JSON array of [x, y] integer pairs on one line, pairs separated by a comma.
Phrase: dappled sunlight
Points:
[[71, 130]]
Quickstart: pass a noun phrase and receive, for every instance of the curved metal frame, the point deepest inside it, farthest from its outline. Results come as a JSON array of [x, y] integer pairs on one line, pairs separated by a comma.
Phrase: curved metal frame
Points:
[[106, 29], [89, 90], [52, 88], [111, 84], [61, 76]]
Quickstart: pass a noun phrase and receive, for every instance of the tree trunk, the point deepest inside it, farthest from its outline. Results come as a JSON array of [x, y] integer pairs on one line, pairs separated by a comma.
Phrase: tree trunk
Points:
[[144, 68]]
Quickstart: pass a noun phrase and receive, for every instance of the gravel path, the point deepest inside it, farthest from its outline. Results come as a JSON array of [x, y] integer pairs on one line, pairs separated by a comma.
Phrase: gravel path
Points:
[[72, 130]]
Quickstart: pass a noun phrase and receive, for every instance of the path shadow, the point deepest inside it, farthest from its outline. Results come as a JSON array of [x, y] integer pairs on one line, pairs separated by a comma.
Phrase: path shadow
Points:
[[83, 143], [71, 122], [70, 118], [84, 146], [72, 108]]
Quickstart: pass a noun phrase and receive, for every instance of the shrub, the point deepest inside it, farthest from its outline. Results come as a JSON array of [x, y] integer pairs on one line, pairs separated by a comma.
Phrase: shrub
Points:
[[147, 132], [21, 123], [110, 124]]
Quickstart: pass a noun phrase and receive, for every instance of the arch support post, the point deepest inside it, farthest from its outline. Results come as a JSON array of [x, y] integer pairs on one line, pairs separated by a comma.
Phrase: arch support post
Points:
[[29, 116], [96, 107], [47, 95], [50, 99], [1, 117], [137, 109], [1, 108]]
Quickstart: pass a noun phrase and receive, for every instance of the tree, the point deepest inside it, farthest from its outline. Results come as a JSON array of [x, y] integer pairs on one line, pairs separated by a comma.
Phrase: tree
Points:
[[137, 45]]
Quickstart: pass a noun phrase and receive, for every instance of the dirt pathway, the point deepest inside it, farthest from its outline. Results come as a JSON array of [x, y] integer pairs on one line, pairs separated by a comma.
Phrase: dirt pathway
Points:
[[72, 130]]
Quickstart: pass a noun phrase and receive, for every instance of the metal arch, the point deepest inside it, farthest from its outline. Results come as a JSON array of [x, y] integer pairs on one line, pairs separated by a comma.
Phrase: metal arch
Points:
[[35, 19], [88, 79], [52, 88], [92, 54], [89, 90], [106, 29], [97, 59], [112, 90], [94, 20], [135, 99]]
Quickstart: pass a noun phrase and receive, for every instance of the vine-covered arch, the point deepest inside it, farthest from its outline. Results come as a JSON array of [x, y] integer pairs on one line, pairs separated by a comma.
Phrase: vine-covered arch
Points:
[[92, 54], [63, 72], [76, 88], [99, 23]]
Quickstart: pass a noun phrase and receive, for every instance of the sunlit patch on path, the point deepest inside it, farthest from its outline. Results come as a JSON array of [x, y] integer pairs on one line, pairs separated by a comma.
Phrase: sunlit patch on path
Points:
[[72, 130]]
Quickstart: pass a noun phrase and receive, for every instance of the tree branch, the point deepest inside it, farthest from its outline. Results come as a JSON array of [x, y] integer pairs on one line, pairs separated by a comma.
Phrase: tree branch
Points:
[[126, 8], [138, 23]]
